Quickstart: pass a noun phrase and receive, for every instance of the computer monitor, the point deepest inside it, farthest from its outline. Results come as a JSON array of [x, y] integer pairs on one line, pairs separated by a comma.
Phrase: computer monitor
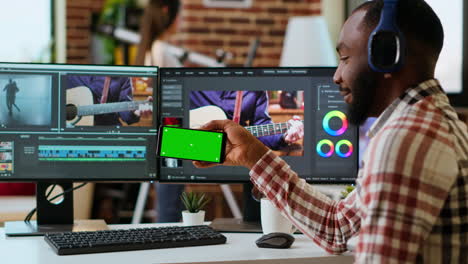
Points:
[[66, 123], [271, 97]]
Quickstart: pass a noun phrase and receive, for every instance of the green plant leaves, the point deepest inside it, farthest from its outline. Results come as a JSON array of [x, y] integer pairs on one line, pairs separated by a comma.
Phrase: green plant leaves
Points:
[[348, 189], [194, 202]]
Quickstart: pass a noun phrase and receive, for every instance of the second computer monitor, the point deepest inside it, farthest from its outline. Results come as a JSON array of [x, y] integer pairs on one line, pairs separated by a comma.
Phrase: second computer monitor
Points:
[[64, 122], [274, 102]]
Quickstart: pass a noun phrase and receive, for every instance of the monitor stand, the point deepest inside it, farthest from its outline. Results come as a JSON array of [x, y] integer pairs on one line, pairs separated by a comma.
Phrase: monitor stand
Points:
[[51, 217], [251, 216]]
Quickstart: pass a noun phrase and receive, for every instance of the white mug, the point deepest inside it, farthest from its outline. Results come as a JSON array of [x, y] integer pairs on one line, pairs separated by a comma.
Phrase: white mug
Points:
[[272, 220]]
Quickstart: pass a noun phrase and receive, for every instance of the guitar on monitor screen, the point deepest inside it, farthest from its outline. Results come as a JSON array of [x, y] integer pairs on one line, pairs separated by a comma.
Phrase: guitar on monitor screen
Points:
[[202, 115], [80, 108]]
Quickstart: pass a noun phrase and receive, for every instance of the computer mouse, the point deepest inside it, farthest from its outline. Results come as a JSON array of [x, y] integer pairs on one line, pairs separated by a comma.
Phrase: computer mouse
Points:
[[275, 240]]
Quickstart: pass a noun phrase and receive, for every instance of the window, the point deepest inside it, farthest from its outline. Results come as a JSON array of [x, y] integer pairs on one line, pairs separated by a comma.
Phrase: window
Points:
[[26, 32]]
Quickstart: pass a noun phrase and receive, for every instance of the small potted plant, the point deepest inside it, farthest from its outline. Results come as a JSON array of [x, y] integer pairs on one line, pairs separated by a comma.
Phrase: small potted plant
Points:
[[194, 203], [348, 189]]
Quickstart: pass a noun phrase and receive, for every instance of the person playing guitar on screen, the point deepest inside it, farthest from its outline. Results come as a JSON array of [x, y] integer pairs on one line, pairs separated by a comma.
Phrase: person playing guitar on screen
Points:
[[106, 90], [212, 105]]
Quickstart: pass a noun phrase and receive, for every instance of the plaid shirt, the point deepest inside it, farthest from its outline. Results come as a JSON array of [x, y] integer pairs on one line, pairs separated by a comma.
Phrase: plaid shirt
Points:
[[410, 204]]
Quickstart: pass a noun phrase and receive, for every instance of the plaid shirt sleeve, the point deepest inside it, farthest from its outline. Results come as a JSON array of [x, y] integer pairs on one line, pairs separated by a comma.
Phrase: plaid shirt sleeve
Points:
[[410, 171], [328, 223]]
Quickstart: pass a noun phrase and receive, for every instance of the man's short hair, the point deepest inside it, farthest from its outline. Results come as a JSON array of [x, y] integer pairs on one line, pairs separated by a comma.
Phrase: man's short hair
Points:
[[416, 19]]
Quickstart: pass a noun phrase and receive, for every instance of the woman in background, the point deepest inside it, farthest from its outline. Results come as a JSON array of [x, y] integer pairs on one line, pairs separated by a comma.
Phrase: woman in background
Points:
[[158, 24]]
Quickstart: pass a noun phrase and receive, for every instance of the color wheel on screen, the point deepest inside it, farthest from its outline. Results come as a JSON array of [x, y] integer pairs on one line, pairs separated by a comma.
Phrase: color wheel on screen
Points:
[[343, 148], [331, 115], [338, 148], [323, 144]]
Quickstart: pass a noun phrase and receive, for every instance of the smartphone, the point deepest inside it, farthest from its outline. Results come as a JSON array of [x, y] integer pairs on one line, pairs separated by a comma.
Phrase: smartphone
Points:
[[191, 144]]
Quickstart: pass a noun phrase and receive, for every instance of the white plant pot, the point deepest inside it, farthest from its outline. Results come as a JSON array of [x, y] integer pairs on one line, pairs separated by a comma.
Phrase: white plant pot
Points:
[[192, 219]]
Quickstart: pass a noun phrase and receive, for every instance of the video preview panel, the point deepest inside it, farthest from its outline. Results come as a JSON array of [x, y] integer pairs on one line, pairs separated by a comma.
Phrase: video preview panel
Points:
[[268, 115], [26, 100], [100, 100]]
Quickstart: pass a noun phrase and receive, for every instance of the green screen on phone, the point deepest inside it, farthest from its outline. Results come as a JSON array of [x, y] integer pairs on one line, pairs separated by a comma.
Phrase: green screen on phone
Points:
[[191, 144]]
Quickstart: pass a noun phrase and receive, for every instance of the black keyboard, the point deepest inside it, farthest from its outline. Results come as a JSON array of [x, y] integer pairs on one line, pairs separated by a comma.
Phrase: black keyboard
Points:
[[70, 243]]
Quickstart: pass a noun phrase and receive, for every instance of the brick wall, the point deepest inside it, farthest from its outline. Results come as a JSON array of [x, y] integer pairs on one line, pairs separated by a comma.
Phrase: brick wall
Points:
[[78, 29], [205, 29]]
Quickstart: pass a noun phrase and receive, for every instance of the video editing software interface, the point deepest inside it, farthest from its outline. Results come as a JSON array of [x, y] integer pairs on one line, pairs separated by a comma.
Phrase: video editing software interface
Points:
[[77, 122], [276, 102]]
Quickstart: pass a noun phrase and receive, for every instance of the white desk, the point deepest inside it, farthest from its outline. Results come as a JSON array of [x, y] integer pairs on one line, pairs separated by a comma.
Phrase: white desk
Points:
[[240, 248]]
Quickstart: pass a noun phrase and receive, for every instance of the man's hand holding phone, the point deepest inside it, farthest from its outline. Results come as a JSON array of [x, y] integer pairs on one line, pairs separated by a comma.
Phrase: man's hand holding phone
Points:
[[242, 148]]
